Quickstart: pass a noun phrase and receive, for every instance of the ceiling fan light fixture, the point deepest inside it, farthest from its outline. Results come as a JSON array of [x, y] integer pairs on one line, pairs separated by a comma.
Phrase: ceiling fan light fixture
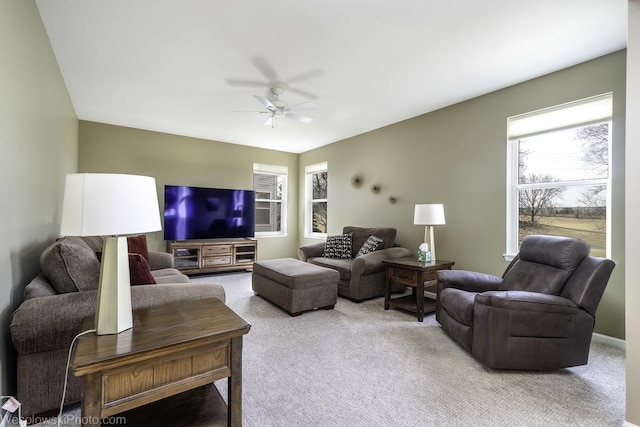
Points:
[[278, 108]]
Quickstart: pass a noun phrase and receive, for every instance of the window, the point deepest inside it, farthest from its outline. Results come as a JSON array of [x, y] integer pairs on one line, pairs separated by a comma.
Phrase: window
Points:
[[558, 173], [270, 186], [316, 200]]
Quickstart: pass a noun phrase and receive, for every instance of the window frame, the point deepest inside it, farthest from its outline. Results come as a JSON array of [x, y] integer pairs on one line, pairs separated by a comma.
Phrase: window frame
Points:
[[283, 171], [513, 139], [311, 170]]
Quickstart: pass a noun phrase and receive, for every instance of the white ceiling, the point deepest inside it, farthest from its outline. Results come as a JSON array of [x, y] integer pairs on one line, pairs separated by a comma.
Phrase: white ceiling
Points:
[[183, 67]]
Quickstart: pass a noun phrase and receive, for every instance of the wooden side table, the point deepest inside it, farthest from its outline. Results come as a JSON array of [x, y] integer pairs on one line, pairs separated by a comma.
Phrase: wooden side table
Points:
[[170, 349], [409, 271]]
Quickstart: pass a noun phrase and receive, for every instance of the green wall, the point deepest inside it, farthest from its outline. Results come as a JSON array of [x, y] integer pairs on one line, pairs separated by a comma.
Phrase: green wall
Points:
[[38, 142], [457, 156], [178, 160]]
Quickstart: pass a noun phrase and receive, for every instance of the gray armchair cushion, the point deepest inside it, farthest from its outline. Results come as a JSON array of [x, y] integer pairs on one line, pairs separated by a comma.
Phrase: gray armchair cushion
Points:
[[360, 236], [71, 265], [343, 266]]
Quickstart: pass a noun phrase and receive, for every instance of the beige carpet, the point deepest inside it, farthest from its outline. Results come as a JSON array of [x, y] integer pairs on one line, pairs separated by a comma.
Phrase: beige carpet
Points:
[[359, 365]]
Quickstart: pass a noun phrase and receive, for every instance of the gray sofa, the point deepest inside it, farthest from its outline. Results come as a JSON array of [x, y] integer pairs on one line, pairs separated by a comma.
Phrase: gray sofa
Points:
[[56, 301], [361, 277]]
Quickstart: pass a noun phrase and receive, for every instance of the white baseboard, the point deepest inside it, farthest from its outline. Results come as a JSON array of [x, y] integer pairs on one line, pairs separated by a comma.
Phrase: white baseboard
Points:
[[628, 424], [606, 339]]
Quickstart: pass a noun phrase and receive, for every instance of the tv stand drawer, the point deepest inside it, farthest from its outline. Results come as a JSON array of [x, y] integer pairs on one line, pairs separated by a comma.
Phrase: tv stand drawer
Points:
[[216, 250], [216, 261]]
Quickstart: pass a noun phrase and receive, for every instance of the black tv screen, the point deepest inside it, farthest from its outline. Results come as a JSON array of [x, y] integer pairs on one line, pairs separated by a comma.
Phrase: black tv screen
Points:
[[207, 213]]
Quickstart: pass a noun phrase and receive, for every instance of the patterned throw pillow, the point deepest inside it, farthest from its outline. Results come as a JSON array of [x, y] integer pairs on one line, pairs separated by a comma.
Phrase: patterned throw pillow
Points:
[[338, 246], [371, 245]]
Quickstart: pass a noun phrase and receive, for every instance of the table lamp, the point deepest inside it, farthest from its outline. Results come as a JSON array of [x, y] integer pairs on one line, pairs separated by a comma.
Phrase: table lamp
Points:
[[111, 205], [429, 215]]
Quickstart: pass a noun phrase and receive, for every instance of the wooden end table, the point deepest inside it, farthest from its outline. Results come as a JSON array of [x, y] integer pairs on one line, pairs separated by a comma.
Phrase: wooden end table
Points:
[[171, 349], [409, 271]]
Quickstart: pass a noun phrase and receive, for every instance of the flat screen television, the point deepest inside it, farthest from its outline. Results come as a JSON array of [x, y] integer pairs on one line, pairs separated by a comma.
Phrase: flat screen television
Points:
[[208, 213]]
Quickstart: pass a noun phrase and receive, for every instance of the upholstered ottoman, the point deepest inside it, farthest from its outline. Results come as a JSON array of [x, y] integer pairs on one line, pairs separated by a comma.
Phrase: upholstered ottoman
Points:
[[294, 285]]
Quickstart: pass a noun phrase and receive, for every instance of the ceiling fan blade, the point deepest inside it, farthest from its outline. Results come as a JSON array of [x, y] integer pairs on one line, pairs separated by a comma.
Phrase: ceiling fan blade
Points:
[[269, 121], [305, 106], [306, 76], [299, 117], [266, 102], [245, 83], [265, 67]]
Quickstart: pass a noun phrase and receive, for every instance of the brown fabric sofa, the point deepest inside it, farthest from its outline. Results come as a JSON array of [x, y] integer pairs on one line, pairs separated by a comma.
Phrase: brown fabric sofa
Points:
[[538, 316], [361, 277], [56, 301]]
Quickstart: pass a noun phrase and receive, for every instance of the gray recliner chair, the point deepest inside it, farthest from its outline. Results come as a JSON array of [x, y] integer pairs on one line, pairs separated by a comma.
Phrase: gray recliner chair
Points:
[[539, 315]]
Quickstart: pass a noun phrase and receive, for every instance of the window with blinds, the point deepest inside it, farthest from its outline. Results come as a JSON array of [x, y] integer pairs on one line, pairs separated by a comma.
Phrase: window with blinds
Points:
[[270, 186]]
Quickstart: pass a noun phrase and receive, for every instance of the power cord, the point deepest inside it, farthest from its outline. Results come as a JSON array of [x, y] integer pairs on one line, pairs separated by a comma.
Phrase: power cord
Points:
[[66, 373]]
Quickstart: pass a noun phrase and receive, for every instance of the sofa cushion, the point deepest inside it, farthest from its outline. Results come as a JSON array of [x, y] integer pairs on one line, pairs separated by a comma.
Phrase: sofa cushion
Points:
[[139, 271], [70, 265], [360, 236], [343, 266], [371, 245], [94, 242], [338, 246], [166, 276]]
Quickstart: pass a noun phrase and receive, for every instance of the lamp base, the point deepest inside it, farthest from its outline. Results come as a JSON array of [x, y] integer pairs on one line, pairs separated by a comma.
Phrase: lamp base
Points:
[[113, 307]]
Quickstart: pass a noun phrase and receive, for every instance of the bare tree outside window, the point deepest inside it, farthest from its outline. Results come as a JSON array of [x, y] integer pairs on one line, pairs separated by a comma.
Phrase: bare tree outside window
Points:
[[595, 143], [562, 184], [319, 202], [538, 202]]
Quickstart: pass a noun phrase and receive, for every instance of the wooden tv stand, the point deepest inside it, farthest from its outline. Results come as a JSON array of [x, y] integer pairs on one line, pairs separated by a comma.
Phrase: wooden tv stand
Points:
[[213, 255]]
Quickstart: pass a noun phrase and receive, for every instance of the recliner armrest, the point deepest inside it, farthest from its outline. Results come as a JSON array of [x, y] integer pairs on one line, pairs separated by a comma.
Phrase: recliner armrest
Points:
[[310, 251], [469, 281], [527, 301]]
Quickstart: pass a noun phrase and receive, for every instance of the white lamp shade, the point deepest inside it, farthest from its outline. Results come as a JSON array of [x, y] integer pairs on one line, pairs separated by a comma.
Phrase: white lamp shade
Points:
[[431, 214], [97, 204]]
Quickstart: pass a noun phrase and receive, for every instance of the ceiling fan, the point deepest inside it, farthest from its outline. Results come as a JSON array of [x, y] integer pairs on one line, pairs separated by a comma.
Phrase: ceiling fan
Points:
[[278, 108]]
